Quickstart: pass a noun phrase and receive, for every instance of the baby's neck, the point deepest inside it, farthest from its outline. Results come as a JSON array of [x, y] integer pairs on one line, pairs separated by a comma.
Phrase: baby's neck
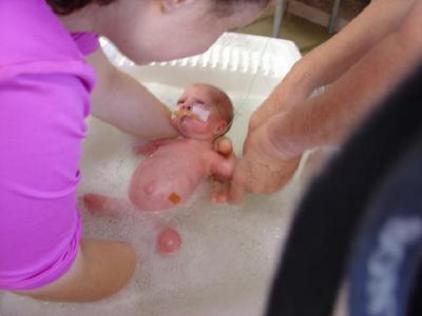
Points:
[[203, 142]]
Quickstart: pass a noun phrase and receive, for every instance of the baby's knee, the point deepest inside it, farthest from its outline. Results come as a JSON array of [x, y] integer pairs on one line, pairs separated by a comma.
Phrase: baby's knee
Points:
[[95, 202], [150, 196]]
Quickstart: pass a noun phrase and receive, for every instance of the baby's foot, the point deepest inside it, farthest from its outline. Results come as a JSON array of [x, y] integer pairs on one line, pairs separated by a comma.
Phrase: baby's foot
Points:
[[95, 202]]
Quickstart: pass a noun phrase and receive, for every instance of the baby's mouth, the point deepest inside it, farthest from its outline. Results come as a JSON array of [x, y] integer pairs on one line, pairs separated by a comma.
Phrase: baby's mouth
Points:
[[184, 119], [183, 115]]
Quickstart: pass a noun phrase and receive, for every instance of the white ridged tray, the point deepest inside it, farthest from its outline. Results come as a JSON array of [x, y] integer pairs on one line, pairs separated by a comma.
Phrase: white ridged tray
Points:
[[238, 63]]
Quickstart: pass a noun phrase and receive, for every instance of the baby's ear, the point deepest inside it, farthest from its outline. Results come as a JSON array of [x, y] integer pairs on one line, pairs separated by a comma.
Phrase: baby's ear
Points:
[[169, 6], [220, 127]]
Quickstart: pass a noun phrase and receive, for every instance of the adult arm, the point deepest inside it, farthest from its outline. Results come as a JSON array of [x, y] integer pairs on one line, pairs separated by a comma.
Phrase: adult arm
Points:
[[122, 101], [273, 150], [330, 117], [330, 60]]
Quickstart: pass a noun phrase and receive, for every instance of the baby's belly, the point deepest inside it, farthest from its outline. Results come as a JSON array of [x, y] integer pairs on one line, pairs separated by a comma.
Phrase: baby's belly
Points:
[[160, 184]]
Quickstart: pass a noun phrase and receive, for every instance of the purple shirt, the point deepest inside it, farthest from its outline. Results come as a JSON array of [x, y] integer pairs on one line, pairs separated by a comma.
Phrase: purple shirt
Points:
[[44, 99]]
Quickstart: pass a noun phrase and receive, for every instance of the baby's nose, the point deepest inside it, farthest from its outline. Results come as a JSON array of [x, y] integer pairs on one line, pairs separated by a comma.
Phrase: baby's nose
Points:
[[186, 107]]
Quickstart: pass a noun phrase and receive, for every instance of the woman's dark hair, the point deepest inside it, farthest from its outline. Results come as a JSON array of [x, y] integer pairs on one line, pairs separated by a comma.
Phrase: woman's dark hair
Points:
[[68, 6], [64, 7]]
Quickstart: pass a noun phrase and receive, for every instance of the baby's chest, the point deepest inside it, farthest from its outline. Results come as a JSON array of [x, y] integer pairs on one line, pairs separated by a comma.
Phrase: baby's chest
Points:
[[178, 160]]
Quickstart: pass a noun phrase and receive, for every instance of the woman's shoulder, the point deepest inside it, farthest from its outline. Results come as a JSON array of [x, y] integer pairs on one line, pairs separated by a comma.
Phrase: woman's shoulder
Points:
[[30, 32]]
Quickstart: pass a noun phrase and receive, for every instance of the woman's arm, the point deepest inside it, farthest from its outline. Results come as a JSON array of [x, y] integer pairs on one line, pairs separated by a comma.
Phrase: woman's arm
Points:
[[272, 150], [331, 116], [329, 61], [123, 102]]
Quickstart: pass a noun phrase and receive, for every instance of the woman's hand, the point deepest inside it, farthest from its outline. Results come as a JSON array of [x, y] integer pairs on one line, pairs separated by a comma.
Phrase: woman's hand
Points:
[[262, 170]]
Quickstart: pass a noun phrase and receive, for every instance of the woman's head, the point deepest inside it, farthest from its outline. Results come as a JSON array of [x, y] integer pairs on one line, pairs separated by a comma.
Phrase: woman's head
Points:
[[159, 30]]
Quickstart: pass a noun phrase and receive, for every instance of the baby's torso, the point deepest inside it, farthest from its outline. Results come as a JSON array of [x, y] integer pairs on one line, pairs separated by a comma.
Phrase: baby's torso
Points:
[[172, 172], [179, 159]]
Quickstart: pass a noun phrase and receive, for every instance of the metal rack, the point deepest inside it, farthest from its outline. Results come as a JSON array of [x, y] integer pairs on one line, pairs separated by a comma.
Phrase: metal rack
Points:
[[279, 12]]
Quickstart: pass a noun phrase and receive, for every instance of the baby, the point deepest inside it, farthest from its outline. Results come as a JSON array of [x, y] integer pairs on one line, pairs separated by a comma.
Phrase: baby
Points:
[[175, 167]]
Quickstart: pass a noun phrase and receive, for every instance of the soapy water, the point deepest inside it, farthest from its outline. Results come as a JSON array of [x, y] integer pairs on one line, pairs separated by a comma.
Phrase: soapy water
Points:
[[225, 264]]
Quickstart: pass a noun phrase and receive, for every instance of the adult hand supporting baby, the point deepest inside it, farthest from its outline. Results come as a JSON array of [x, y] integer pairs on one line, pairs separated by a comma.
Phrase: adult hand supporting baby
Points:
[[263, 168]]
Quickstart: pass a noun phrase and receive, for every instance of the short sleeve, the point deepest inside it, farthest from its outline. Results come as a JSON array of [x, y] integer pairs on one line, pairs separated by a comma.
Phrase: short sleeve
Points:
[[87, 42]]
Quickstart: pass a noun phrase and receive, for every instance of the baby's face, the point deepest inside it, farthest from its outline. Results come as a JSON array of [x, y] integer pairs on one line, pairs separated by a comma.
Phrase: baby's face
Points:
[[198, 113]]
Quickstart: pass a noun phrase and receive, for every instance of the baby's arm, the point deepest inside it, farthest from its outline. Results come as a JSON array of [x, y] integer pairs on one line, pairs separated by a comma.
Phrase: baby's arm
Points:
[[221, 170], [218, 166]]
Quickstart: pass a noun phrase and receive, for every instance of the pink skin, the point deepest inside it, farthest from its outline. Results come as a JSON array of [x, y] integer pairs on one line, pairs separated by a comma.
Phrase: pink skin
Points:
[[176, 167]]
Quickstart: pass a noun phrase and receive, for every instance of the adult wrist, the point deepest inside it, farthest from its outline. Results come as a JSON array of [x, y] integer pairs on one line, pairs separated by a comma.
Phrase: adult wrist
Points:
[[280, 142], [301, 80]]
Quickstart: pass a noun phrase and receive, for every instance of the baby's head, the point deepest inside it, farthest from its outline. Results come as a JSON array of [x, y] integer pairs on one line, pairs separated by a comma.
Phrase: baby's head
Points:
[[203, 112]]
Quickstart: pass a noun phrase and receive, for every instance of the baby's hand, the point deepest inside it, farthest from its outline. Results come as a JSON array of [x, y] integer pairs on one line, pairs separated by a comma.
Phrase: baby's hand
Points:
[[222, 168]]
